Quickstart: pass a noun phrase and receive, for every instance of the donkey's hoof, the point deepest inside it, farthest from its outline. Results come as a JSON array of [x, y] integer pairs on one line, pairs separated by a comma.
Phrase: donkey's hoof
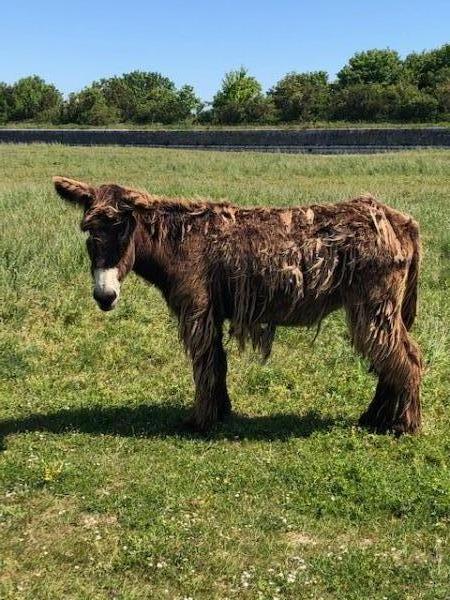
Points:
[[192, 425], [368, 421], [363, 420], [398, 427], [225, 415], [404, 427]]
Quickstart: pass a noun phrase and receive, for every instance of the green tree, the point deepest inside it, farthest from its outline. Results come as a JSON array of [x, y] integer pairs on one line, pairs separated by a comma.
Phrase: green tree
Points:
[[443, 99], [33, 98], [5, 101], [302, 96], [148, 97], [240, 99], [411, 104], [89, 107], [377, 102], [429, 69], [167, 106], [360, 102], [189, 102], [371, 66]]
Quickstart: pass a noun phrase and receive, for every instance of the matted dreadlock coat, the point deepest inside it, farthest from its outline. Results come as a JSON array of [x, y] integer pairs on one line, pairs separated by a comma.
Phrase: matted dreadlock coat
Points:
[[261, 268]]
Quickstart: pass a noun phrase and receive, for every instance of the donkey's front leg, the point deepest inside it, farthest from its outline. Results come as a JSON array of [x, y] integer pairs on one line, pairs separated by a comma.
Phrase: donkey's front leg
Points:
[[209, 362]]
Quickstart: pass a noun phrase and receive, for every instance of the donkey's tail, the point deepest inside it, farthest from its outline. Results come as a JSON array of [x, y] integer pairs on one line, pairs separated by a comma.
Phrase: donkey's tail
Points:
[[409, 306]]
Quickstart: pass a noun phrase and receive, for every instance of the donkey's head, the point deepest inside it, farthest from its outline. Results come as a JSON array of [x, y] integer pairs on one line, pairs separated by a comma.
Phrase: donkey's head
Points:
[[109, 220]]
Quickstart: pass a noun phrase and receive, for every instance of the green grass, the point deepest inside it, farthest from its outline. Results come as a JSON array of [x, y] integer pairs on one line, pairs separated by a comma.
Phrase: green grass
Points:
[[103, 496]]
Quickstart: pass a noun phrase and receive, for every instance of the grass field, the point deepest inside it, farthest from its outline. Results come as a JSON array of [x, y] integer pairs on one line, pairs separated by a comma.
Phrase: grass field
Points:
[[103, 496]]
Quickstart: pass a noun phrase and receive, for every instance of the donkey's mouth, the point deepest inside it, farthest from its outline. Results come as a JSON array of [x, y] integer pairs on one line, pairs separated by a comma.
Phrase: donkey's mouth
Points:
[[106, 302], [107, 307]]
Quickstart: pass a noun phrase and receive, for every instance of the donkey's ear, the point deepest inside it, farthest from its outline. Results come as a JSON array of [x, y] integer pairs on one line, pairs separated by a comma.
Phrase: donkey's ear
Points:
[[74, 191], [134, 200]]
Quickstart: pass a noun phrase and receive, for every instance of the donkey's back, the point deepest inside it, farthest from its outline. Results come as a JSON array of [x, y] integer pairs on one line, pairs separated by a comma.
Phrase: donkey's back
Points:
[[294, 265]]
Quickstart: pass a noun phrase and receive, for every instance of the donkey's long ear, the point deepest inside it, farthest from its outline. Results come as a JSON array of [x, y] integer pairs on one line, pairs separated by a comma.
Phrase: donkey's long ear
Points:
[[74, 191], [134, 200]]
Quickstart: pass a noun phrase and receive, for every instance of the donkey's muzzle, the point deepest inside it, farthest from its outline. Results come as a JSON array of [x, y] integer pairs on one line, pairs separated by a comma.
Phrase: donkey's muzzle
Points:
[[106, 300]]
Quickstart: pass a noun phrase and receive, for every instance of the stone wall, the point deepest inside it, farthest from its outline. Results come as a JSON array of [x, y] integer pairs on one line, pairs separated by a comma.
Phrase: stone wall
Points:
[[273, 140]]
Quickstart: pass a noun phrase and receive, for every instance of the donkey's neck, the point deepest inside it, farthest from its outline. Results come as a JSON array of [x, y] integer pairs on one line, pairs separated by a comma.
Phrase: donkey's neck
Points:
[[151, 263]]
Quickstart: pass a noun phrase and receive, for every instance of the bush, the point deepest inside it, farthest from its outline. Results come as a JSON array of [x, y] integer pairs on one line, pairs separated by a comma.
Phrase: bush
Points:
[[233, 112], [33, 98], [429, 69], [443, 99], [148, 98], [412, 104], [302, 96], [371, 66], [240, 100], [359, 103], [206, 115], [189, 104], [5, 100], [89, 107], [163, 106], [375, 102]]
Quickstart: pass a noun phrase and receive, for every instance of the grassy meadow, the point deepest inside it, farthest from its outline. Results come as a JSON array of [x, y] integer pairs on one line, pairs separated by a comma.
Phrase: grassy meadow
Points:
[[103, 496]]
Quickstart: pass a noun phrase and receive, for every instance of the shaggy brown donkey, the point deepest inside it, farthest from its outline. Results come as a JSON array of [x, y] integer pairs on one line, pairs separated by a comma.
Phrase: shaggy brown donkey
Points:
[[263, 267]]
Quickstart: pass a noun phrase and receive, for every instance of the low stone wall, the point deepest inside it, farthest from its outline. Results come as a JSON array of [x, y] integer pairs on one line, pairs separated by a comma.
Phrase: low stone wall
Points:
[[273, 140]]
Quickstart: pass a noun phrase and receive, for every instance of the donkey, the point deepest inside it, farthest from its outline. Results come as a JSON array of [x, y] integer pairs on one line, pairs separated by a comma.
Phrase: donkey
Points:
[[260, 268]]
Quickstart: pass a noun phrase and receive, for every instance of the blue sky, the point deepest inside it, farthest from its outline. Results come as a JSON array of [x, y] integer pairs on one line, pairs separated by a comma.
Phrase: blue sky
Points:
[[196, 42]]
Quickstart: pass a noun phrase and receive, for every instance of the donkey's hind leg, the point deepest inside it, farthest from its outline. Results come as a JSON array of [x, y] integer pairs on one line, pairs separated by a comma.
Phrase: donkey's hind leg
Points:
[[379, 333], [396, 404]]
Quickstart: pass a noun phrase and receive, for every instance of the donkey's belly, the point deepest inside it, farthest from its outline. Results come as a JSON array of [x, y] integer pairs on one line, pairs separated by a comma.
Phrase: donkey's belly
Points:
[[305, 312], [261, 305]]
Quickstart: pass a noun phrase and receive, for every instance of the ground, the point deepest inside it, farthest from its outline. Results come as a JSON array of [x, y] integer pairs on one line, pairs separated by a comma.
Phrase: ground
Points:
[[102, 495]]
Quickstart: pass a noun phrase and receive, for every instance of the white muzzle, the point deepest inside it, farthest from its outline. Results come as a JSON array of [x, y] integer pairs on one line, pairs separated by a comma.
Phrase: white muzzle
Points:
[[106, 287]]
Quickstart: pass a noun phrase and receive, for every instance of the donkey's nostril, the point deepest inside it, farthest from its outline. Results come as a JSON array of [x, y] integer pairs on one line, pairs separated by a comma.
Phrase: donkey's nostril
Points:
[[105, 299]]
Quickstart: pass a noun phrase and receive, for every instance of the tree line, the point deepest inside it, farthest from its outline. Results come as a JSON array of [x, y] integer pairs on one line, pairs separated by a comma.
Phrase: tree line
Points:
[[374, 86]]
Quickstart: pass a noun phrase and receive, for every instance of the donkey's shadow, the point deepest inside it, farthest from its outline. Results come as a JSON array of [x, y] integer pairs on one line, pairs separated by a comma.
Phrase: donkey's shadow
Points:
[[153, 420]]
